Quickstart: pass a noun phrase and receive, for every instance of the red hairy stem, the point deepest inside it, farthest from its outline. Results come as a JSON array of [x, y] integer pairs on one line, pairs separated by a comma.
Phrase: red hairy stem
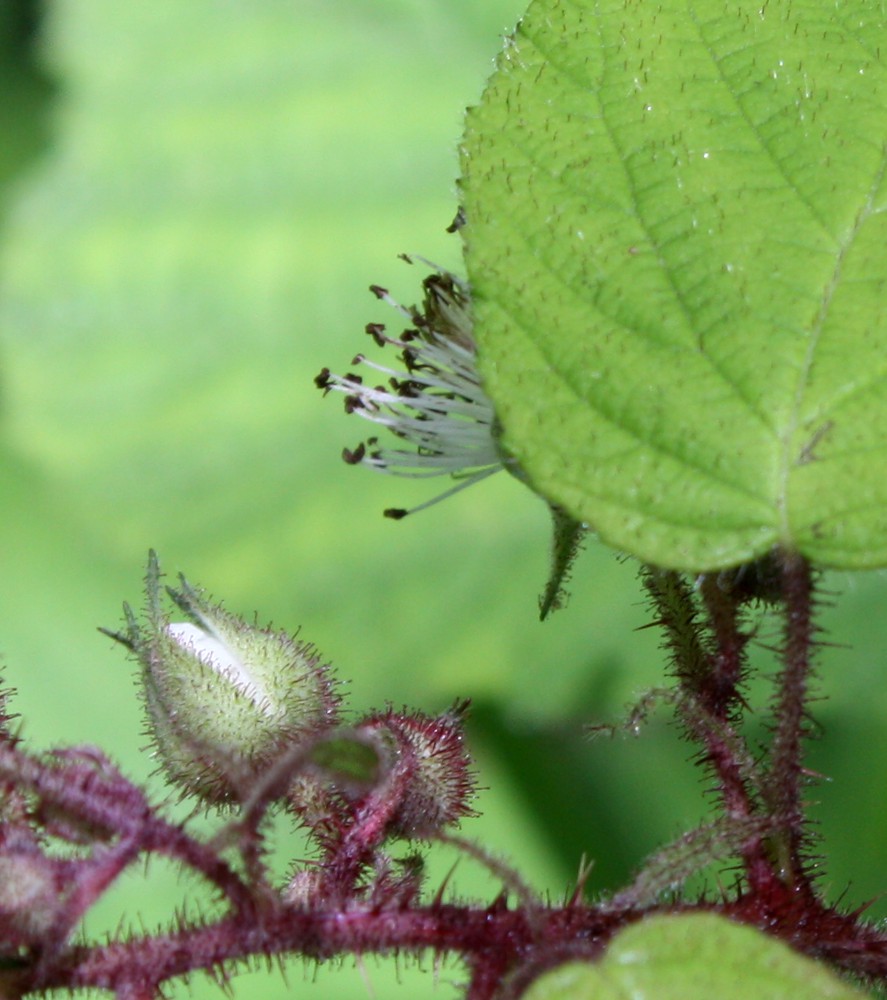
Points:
[[342, 871], [784, 781], [166, 838], [494, 941], [709, 663], [486, 978], [135, 991], [89, 791], [728, 657]]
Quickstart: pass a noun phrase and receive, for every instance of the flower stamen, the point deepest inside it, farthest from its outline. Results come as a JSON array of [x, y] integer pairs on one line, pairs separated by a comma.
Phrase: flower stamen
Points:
[[434, 402]]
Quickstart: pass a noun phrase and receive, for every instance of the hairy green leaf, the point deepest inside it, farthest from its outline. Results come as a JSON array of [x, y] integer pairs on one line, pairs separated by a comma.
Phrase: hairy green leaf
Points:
[[693, 957], [675, 239]]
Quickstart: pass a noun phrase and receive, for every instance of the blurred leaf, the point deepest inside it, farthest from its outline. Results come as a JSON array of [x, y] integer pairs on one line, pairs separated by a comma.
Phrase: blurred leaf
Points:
[[694, 957], [675, 244], [613, 801], [53, 587], [196, 249]]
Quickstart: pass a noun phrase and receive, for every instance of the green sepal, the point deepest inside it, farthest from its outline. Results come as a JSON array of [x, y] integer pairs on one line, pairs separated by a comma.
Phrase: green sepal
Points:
[[568, 534]]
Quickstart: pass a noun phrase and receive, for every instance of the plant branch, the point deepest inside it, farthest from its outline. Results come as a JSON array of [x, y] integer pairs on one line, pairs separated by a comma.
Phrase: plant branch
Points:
[[784, 781], [494, 941], [709, 662]]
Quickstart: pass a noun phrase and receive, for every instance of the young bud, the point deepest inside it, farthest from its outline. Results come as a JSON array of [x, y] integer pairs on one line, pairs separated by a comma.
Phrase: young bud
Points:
[[30, 896], [341, 771], [224, 697], [430, 752]]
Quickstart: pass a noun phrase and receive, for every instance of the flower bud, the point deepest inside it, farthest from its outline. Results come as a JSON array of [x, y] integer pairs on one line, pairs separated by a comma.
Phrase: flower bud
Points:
[[438, 783], [340, 772], [30, 897], [224, 698]]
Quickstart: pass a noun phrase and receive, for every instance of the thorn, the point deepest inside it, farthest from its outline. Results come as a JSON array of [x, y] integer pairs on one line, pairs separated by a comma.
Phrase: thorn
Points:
[[586, 867], [437, 901], [808, 772], [500, 903]]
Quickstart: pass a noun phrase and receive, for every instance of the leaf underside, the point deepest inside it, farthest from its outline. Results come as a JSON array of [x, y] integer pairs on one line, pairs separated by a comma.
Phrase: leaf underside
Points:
[[675, 242]]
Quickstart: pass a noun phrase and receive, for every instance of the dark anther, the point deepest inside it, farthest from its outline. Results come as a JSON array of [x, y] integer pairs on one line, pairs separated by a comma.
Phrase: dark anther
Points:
[[377, 332], [356, 456], [396, 513]]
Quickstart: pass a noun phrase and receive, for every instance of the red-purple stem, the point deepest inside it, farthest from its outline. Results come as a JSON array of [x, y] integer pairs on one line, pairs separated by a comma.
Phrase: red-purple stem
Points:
[[783, 786], [493, 941]]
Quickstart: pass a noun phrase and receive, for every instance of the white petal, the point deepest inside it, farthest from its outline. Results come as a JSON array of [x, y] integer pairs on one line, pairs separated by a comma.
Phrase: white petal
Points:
[[218, 656]]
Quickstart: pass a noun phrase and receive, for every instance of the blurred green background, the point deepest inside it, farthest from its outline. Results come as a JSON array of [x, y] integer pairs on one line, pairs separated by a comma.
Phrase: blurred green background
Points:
[[194, 200]]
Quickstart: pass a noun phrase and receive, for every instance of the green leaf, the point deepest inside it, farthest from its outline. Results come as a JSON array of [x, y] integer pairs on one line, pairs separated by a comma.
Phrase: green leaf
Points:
[[693, 957], [675, 244]]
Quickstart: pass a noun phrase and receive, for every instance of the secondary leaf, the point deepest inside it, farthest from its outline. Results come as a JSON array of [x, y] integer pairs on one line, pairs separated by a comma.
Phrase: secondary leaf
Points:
[[675, 245], [693, 957]]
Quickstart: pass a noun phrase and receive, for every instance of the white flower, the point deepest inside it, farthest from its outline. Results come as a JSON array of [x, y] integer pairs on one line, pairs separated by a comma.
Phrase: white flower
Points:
[[435, 403], [217, 654]]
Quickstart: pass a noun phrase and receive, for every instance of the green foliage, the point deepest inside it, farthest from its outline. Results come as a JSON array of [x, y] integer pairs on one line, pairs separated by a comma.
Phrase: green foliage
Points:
[[675, 243], [693, 957], [173, 274]]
